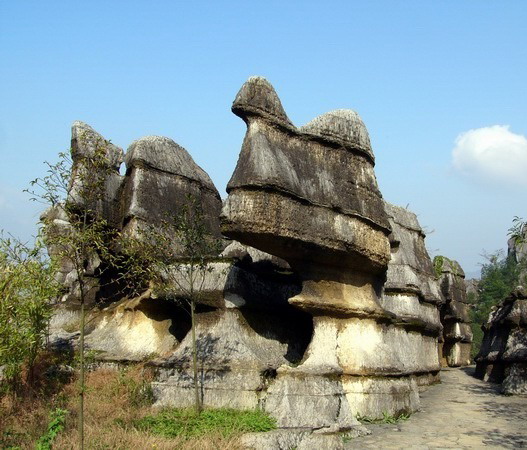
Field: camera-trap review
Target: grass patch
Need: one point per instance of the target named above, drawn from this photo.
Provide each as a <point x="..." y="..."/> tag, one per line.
<point x="185" y="423"/>
<point x="386" y="418"/>
<point x="115" y="401"/>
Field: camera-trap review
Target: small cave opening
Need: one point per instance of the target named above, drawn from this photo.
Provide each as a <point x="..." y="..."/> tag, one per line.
<point x="266" y="288"/>
<point x="286" y="325"/>
<point x="160" y="309"/>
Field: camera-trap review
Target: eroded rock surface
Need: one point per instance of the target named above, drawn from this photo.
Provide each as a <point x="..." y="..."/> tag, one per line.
<point x="324" y="304"/>
<point x="503" y="354"/>
<point x="309" y="196"/>
<point x="456" y="342"/>
<point x="412" y="294"/>
<point x="160" y="178"/>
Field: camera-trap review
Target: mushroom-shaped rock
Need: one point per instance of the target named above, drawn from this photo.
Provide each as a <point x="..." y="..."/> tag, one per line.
<point x="258" y="97"/>
<point x="309" y="196"/>
<point x="305" y="196"/>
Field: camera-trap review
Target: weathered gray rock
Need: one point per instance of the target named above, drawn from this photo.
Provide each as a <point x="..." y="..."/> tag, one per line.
<point x="238" y="354"/>
<point x="300" y="439"/>
<point x="95" y="185"/>
<point x="472" y="288"/>
<point x="411" y="292"/>
<point x="410" y="270"/>
<point x="455" y="349"/>
<point x="161" y="176"/>
<point x="279" y="204"/>
<point x="250" y="332"/>
<point x="236" y="250"/>
<point x="503" y="354"/>
<point x="309" y="196"/>
<point x="515" y="381"/>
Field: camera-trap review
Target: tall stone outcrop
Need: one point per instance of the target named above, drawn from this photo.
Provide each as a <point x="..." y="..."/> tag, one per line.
<point x="456" y="342"/>
<point x="245" y="331"/>
<point x="323" y="306"/>
<point x="159" y="179"/>
<point x="411" y="291"/>
<point x="309" y="196"/>
<point x="96" y="184"/>
<point x="503" y="354"/>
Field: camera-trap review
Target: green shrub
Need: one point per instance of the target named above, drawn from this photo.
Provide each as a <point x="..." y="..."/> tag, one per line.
<point x="499" y="276"/>
<point x="186" y="423"/>
<point x="27" y="288"/>
<point x="57" y="417"/>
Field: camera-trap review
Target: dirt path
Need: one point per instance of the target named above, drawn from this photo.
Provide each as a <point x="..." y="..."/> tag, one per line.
<point x="461" y="412"/>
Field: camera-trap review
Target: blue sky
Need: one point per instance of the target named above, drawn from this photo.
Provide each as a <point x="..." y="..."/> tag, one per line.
<point x="441" y="87"/>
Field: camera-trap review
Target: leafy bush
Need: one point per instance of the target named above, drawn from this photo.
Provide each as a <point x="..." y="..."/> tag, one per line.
<point x="57" y="418"/>
<point x="27" y="288"/>
<point x="187" y="424"/>
<point x="499" y="276"/>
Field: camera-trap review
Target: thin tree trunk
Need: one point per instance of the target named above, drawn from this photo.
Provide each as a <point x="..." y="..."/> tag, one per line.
<point x="81" y="377"/>
<point x="195" y="357"/>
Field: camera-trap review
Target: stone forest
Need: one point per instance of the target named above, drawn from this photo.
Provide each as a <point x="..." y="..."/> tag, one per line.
<point x="320" y="305"/>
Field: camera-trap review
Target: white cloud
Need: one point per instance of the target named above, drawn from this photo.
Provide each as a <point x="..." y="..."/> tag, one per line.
<point x="493" y="154"/>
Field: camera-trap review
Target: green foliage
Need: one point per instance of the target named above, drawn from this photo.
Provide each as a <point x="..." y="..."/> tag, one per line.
<point x="186" y="423"/>
<point x="518" y="231"/>
<point x="27" y="289"/>
<point x="9" y="438"/>
<point x="386" y="418"/>
<point x="438" y="265"/>
<point x="57" y="417"/>
<point x="499" y="276"/>
<point x="140" y="392"/>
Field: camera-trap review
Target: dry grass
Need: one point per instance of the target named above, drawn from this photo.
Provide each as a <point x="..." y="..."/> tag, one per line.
<point x="113" y="400"/>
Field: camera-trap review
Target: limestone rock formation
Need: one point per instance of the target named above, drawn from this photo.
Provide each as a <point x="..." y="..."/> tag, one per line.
<point x="106" y="159"/>
<point x="323" y="306"/>
<point x="160" y="175"/>
<point x="245" y="331"/>
<point x="411" y="291"/>
<point x="159" y="179"/>
<point x="503" y="354"/>
<point x="455" y="314"/>
<point x="309" y="196"/>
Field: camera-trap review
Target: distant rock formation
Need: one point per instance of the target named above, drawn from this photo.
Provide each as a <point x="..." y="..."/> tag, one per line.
<point x="456" y="342"/>
<point x="411" y="292"/>
<point x="503" y="355"/>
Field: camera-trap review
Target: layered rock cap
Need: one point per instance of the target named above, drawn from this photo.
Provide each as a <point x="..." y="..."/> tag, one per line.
<point x="306" y="193"/>
<point x="309" y="196"/>
<point x="160" y="177"/>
